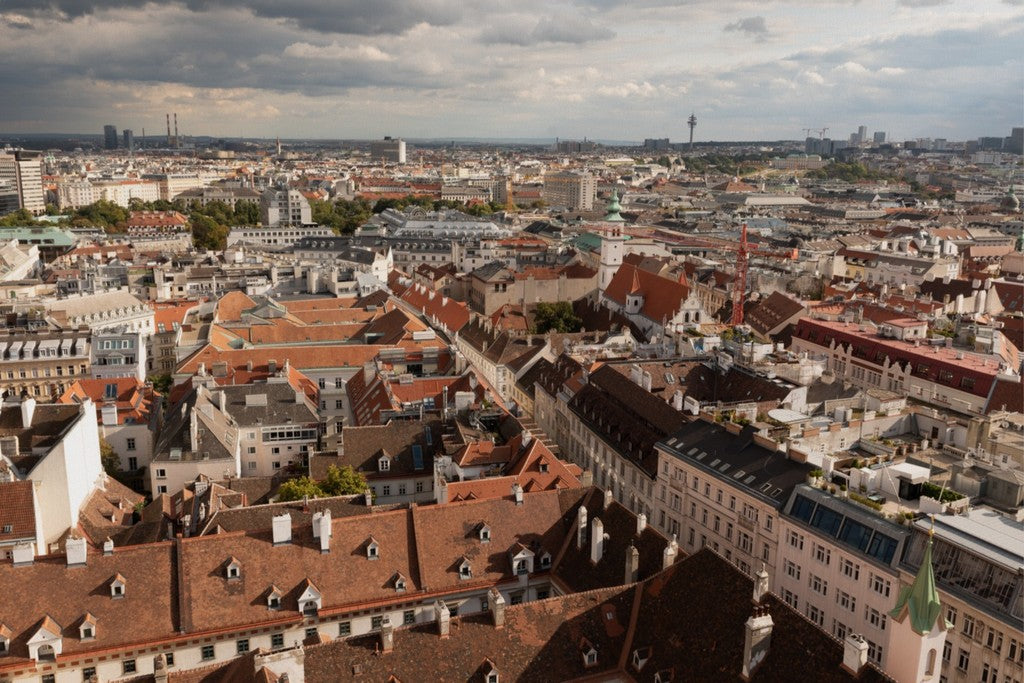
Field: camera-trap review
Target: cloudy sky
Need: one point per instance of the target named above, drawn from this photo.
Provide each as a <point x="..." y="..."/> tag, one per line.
<point x="611" y="69"/>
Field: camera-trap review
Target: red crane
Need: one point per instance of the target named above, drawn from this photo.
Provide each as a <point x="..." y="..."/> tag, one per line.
<point x="739" y="286"/>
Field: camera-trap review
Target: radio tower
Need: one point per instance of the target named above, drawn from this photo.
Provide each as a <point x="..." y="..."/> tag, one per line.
<point x="692" y="123"/>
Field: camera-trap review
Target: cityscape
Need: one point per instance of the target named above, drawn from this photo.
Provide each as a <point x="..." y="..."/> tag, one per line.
<point x="421" y="341"/>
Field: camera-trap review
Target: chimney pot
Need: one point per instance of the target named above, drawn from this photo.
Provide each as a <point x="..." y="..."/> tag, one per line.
<point x="641" y="523"/>
<point x="757" y="640"/>
<point x="282" y="529"/>
<point x="387" y="635"/>
<point x="608" y="498"/>
<point x="108" y="546"/>
<point x="632" y="564"/>
<point x="855" y="653"/>
<point x="581" y="527"/>
<point x="668" y="556"/>
<point x="444" y="619"/>
<point x="596" y="540"/>
<point x="76" y="551"/>
<point x="497" y="606"/>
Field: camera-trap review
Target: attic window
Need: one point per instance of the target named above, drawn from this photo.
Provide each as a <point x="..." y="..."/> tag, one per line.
<point x="373" y="550"/>
<point x="233" y="569"/>
<point x="384" y="464"/>
<point x="664" y="676"/>
<point x="274" y="602"/>
<point x="465" y="570"/>
<point x="485" y="534"/>
<point x="117" y="587"/>
<point x="640" y="657"/>
<point x="545" y="561"/>
<point x="543" y="467"/>
<point x="399" y="584"/>
<point x="87" y="631"/>
<point x="590" y="657"/>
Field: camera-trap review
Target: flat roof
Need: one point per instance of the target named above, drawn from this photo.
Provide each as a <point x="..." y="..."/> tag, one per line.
<point x="983" y="532"/>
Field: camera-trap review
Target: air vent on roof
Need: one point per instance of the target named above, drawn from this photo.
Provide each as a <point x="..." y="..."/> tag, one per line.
<point x="749" y="480"/>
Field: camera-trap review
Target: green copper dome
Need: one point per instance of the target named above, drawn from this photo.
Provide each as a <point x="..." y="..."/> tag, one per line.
<point x="614" y="209"/>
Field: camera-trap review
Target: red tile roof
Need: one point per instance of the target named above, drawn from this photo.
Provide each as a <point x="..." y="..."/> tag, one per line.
<point x="17" y="511"/>
<point x="662" y="296"/>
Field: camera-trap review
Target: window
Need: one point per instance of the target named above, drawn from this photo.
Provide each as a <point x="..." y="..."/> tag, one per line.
<point x="846" y="601"/>
<point x="419" y="487"/>
<point x="951" y="615"/>
<point x="792" y="569"/>
<point x="947" y="651"/>
<point x="994" y="640"/>
<point x="161" y="473"/>
<point x="839" y="629"/>
<point x="796" y="540"/>
<point x="130" y="444"/>
<point x="409" y="616"/>
<point x="311" y="632"/>
<point x="964" y="660"/>
<point x="880" y="585"/>
<point x="49" y="678"/>
<point x="819" y="585"/>
<point x="128" y="666"/>
<point x="277" y="640"/>
<point x="746" y="542"/>
<point x="874" y="652"/>
<point x="790" y="599"/>
<point x="88" y="672"/>
<point x="242" y="646"/>
<point x="344" y="628"/>
<point x="968" y="627"/>
<point x="822" y="554"/>
<point x="375" y="622"/>
<point x="816" y="615"/>
<point x="516" y="599"/>
<point x="207" y="652"/>
<point x="876" y="618"/>
<point x="849" y="568"/>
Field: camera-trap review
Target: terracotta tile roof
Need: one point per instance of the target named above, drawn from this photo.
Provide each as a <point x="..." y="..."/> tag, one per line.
<point x="17" y="510"/>
<point x="109" y="511"/>
<point x="445" y="311"/>
<point x="133" y="399"/>
<point x="772" y="312"/>
<point x="662" y="297"/>
<point x="232" y="305"/>
<point x="362" y="447"/>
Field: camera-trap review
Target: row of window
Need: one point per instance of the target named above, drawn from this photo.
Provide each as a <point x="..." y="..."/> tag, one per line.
<point x="23" y="374"/>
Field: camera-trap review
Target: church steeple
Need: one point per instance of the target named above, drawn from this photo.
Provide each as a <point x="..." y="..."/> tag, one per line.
<point x="920" y="600"/>
<point x="613" y="209"/>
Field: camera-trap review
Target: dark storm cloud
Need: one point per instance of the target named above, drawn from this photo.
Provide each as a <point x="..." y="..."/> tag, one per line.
<point x="358" y="17"/>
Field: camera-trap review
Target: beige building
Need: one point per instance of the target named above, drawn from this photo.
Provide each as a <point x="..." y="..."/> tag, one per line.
<point x="571" y="190"/>
<point x="45" y="363"/>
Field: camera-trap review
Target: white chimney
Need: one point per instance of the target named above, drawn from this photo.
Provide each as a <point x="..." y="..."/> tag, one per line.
<point x="368" y="497"/>
<point x="517" y="493"/>
<point x="527" y="438"/>
<point x="632" y="564"/>
<point x="760" y="584"/>
<point x="28" y="409"/>
<point x="581" y="527"/>
<point x="668" y="556"/>
<point x="608" y="498"/>
<point x="444" y="619"/>
<point x="322" y="530"/>
<point x="222" y="401"/>
<point x="496" y="603"/>
<point x="282" y="529"/>
<point x="108" y="546"/>
<point x="677" y="400"/>
<point x="387" y="634"/>
<point x="647" y="381"/>
<point x="855" y="653"/>
<point x="596" y="540"/>
<point x="22" y="554"/>
<point x="757" y="640"/>
<point x="641" y="523"/>
<point x="76" y="551"/>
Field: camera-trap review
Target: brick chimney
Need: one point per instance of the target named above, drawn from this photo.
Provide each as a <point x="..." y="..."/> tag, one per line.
<point x="855" y="653"/>
<point x="757" y="640"/>
<point x="632" y="564"/>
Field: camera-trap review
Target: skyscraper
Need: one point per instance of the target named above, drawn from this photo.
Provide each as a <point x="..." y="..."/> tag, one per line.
<point x="109" y="136"/>
<point x="390" y="149"/>
<point x="862" y="133"/>
<point x="879" y="137"/>
<point x="24" y="171"/>
<point x="129" y="139"/>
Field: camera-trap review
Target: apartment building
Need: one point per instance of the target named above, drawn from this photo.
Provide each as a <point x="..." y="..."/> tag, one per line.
<point x="281" y="206"/>
<point x="118" y="353"/>
<point x="24" y="169"/>
<point x="570" y="190"/>
<point x="43" y="363"/>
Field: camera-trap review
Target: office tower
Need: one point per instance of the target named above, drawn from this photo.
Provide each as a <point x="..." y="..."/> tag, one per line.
<point x="24" y="171"/>
<point x="129" y="139"/>
<point x="657" y="144"/>
<point x="1016" y="141"/>
<point x="879" y="137"/>
<point x="109" y="136"/>
<point x="390" y="149"/>
<point x="862" y="134"/>
<point x="570" y="190"/>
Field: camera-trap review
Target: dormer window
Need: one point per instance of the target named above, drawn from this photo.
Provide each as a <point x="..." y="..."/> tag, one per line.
<point x="465" y="569"/>
<point x="373" y="550"/>
<point x="521" y="567"/>
<point x="400" y="584"/>
<point x="589" y="652"/>
<point x="233" y="569"/>
<point x="545" y="561"/>
<point x="87" y="630"/>
<point x="310" y="600"/>
<point x="274" y="598"/>
<point x="484" y="533"/>
<point x="492" y="672"/>
<point x="117" y="587"/>
<point x="640" y="657"/>
<point x="665" y="676"/>
<point x="384" y="464"/>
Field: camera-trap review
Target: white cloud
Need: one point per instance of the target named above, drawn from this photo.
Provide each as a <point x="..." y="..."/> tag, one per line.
<point x="358" y="53"/>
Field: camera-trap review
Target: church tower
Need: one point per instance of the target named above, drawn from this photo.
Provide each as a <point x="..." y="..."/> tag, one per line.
<point x="611" y="244"/>
<point x="917" y="632"/>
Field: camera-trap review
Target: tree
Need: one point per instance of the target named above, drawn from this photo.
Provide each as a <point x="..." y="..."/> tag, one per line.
<point x="297" y="489"/>
<point x="161" y="383"/>
<point x="556" y="317"/>
<point x="247" y="213"/>
<point x="19" y="218"/>
<point x="343" y="481"/>
<point x="208" y="233"/>
<point x="110" y="459"/>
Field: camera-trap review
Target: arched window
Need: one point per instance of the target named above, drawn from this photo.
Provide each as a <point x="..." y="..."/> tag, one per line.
<point x="930" y="668"/>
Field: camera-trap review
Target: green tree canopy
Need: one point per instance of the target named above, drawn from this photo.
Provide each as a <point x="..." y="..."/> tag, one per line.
<point x="556" y="317"/>
<point x="343" y="481"/>
<point x="297" y="489"/>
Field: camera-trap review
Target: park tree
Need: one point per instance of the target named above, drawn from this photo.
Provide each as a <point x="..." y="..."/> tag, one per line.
<point x="343" y="481"/>
<point x="297" y="489"/>
<point x="556" y="317"/>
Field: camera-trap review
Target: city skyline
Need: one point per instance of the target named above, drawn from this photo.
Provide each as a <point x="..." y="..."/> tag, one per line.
<point x="599" y="68"/>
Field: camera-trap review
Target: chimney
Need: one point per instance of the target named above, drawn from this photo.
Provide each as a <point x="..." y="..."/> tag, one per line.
<point x="23" y="554"/>
<point x="76" y="551"/>
<point x="108" y="546"/>
<point x="677" y="400"/>
<point x="444" y="619"/>
<point x="641" y="523"/>
<point x="608" y="498"/>
<point x="517" y="493"/>
<point x="855" y="653"/>
<point x="581" y="527"/>
<point x="757" y="640"/>
<point x="322" y="530"/>
<point x="632" y="564"/>
<point x="668" y="556"/>
<point x="497" y="605"/>
<point x="160" y="669"/>
<point x="596" y="540"/>
<point x="222" y="401"/>
<point x="28" y="409"/>
<point x="368" y="497"/>
<point x="387" y="635"/>
<point x="282" y="529"/>
<point x="760" y="585"/>
<point x="300" y="397"/>
<point x="647" y="381"/>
